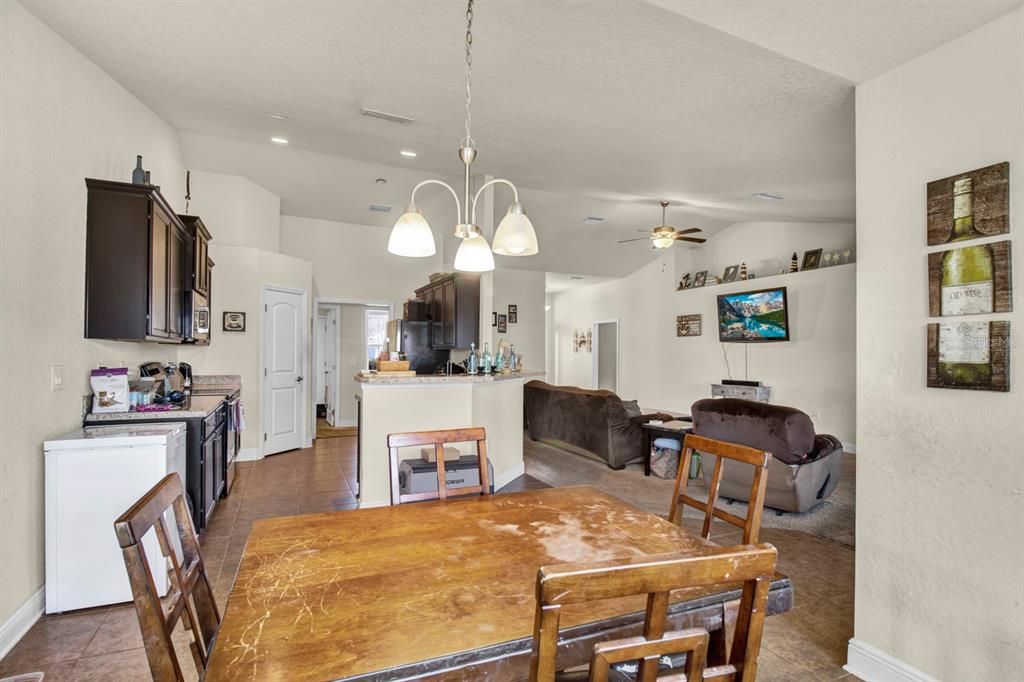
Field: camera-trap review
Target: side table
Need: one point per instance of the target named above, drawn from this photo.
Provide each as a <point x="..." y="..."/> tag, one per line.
<point x="668" y="430"/>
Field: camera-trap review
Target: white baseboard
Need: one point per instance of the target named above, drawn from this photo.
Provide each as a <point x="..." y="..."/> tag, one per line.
<point x="849" y="447"/>
<point x="505" y="477"/>
<point x="249" y="454"/>
<point x="26" y="615"/>
<point x="874" y="665"/>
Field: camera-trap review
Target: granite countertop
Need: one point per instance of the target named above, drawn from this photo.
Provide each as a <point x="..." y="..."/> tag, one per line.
<point x="196" y="406"/>
<point x="216" y="383"/>
<point x="378" y="380"/>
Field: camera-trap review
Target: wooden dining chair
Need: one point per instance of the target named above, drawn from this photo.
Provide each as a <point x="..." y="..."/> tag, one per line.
<point x="656" y="576"/>
<point x="189" y="592"/>
<point x="751" y="524"/>
<point x="438" y="439"/>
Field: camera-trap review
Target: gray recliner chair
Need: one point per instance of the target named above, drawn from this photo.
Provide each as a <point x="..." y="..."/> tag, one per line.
<point x="805" y="467"/>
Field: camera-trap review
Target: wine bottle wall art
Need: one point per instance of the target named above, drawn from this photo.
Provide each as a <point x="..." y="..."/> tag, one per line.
<point x="971" y="277"/>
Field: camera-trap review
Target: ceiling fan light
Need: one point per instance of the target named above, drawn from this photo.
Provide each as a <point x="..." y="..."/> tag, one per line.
<point x="474" y="255"/>
<point x="411" y="236"/>
<point x="662" y="242"/>
<point x="515" y="235"/>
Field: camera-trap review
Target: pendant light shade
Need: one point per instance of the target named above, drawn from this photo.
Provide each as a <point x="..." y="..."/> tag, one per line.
<point x="474" y="255"/>
<point x="411" y="236"/>
<point x="515" y="235"/>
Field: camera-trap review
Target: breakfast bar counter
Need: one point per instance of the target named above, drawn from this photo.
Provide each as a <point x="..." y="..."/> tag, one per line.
<point x="431" y="402"/>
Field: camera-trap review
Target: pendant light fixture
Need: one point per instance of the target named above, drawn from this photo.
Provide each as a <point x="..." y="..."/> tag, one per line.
<point x="411" y="236"/>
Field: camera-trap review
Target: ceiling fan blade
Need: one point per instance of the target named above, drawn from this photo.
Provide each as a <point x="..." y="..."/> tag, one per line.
<point x="638" y="239"/>
<point x="695" y="240"/>
<point x="689" y="230"/>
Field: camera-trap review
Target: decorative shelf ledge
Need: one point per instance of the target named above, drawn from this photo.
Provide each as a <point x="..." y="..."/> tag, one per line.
<point x="772" y="280"/>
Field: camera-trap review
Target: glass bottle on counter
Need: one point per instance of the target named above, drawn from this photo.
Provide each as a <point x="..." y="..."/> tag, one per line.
<point x="513" y="359"/>
<point x="486" y="361"/>
<point x="471" y="365"/>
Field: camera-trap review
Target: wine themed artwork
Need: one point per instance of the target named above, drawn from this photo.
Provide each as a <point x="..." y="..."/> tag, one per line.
<point x="502" y="324"/>
<point x="688" y="325"/>
<point x="513" y="313"/>
<point x="969" y="205"/>
<point x="969" y="279"/>
<point x="969" y="355"/>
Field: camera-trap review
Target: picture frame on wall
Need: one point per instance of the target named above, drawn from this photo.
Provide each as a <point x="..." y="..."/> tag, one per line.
<point x="812" y="259"/>
<point x="502" y="324"/>
<point x="730" y="273"/>
<point x="970" y="205"/>
<point x="513" y="313"/>
<point x="233" y="321"/>
<point x="970" y="280"/>
<point x="494" y="319"/>
<point x="700" y="278"/>
<point x="969" y="354"/>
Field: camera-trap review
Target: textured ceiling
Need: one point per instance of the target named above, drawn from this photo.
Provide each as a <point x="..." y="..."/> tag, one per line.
<point x="855" y="39"/>
<point x="591" y="107"/>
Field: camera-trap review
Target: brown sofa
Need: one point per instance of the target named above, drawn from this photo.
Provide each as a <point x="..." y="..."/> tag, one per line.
<point x="593" y="423"/>
<point x="805" y="466"/>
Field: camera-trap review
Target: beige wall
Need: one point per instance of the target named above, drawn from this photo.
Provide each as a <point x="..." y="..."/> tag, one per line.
<point x="352" y="358"/>
<point x="62" y="119"/>
<point x="524" y="288"/>
<point x="237" y="211"/>
<point x="352" y="261"/>
<point x="815" y="371"/>
<point x="940" y="540"/>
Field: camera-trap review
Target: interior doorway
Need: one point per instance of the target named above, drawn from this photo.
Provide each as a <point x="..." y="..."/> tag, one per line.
<point x="284" y="357"/>
<point x="605" y="343"/>
<point x="325" y="349"/>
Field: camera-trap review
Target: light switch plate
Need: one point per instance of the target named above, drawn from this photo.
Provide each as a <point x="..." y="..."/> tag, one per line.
<point x="57" y="377"/>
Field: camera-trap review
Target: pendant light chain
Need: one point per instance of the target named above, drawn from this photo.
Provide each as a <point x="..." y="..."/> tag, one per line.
<point x="468" y="141"/>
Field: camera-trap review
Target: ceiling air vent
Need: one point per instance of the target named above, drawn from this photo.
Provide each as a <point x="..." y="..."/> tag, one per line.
<point x="575" y="276"/>
<point x="593" y="220"/>
<point x="384" y="116"/>
<point x="380" y="208"/>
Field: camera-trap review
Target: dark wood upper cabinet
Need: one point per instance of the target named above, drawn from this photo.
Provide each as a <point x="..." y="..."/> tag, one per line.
<point x="199" y="264"/>
<point x="453" y="307"/>
<point x="135" y="265"/>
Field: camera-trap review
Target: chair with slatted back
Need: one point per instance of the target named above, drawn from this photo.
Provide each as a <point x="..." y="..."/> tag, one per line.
<point x="189" y="592"/>
<point x="438" y="439"/>
<point x="656" y="576"/>
<point x="722" y="451"/>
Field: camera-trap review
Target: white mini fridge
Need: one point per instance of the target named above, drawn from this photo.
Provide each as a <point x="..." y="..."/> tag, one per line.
<point x="93" y="475"/>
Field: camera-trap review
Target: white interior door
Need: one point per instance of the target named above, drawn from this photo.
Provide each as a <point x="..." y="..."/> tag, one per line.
<point x="330" y="368"/>
<point x="319" y="359"/>
<point x="284" y="394"/>
<point x="605" y="345"/>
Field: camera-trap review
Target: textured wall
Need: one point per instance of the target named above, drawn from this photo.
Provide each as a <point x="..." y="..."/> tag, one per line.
<point x="62" y="119"/>
<point x="940" y="536"/>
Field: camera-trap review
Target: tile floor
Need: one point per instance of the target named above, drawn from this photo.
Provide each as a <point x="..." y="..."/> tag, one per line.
<point x="807" y="643"/>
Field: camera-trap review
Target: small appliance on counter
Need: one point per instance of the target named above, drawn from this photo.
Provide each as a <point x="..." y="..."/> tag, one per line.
<point x="167" y="382"/>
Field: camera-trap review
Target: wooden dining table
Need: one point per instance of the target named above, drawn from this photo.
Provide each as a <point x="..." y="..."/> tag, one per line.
<point x="441" y="590"/>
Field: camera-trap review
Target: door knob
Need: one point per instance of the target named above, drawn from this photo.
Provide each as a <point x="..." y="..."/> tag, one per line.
<point x="298" y="380"/>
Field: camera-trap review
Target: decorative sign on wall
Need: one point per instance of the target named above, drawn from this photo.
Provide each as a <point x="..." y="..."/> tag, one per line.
<point x="970" y="280"/>
<point x="969" y="354"/>
<point x="234" y="322"/>
<point x="969" y="205"/>
<point x="513" y="313"/>
<point x="502" y="324"/>
<point x="688" y="325"/>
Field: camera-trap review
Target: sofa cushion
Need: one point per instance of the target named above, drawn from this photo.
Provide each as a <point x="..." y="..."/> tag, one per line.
<point x="824" y="445"/>
<point x="786" y="432"/>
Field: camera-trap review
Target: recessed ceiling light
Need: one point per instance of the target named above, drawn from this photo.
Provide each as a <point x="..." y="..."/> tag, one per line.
<point x="769" y="195"/>
<point x="279" y="140"/>
<point x="547" y="307"/>
<point x="408" y="153"/>
<point x="381" y="181"/>
<point x="593" y="220"/>
<point x="279" y="117"/>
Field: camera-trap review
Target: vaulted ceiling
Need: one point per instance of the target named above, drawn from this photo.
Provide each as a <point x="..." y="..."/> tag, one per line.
<point x="596" y="107"/>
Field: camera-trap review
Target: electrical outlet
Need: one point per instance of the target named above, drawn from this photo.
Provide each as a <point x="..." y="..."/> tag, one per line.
<point x="57" y="377"/>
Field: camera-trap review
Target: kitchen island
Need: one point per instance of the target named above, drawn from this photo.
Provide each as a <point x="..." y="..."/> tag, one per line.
<point x="432" y="402"/>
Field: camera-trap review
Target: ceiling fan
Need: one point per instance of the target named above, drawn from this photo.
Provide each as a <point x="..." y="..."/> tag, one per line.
<point x="663" y="236"/>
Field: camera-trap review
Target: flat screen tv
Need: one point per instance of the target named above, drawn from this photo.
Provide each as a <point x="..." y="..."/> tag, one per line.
<point x="753" y="316"/>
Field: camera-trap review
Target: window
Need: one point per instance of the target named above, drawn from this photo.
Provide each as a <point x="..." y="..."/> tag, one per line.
<point x="376" y="326"/>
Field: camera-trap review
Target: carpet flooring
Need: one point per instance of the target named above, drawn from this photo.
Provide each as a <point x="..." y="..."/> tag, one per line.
<point x="832" y="519"/>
